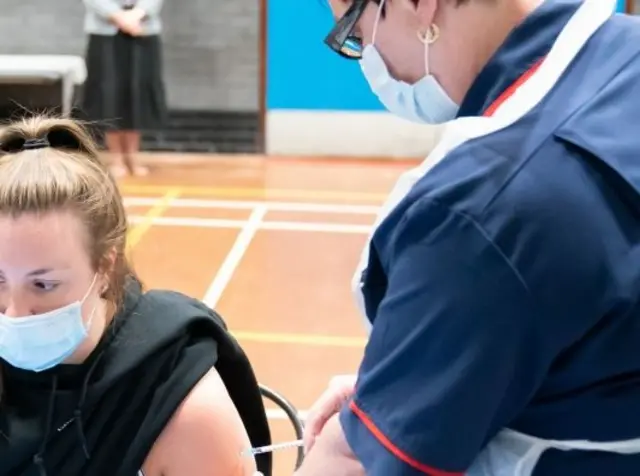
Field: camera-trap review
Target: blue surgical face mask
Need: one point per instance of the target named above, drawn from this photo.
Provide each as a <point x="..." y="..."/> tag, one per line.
<point x="425" y="101"/>
<point x="40" y="342"/>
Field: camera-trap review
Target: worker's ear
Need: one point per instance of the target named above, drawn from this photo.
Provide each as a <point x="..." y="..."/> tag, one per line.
<point x="422" y="11"/>
<point x="426" y="12"/>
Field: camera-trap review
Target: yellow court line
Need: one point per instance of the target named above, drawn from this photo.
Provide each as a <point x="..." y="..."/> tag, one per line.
<point x="156" y="211"/>
<point x="255" y="193"/>
<point x="301" y="339"/>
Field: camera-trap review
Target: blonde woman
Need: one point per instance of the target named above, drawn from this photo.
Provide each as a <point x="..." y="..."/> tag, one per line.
<point x="99" y="377"/>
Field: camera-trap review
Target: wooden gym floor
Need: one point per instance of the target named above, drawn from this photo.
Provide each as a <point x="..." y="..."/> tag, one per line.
<point x="271" y="244"/>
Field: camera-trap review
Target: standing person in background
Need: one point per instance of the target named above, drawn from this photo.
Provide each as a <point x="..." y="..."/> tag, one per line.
<point x="124" y="84"/>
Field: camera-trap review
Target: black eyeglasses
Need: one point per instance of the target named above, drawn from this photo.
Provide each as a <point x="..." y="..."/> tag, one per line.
<point x="341" y="38"/>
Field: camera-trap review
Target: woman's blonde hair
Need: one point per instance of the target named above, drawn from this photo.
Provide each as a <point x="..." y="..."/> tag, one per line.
<point x="65" y="173"/>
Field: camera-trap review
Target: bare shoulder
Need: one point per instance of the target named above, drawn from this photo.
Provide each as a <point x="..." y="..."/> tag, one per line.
<point x="204" y="437"/>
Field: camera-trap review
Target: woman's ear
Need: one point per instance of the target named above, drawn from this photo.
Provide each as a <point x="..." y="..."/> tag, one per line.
<point x="107" y="267"/>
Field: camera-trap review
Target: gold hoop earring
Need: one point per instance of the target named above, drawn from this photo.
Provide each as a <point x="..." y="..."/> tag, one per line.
<point x="430" y="36"/>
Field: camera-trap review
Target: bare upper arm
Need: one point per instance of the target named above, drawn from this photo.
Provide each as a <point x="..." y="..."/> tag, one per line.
<point x="204" y="437"/>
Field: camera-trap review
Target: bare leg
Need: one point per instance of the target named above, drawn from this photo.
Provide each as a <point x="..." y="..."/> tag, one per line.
<point x="132" y="147"/>
<point x="116" y="146"/>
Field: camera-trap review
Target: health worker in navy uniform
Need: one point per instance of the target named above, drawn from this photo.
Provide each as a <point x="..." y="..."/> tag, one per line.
<point x="501" y="285"/>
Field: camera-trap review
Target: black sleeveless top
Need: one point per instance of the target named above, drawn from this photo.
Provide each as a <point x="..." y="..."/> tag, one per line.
<point x="102" y="417"/>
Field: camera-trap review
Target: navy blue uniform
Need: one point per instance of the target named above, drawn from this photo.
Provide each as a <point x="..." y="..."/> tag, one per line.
<point x="503" y="289"/>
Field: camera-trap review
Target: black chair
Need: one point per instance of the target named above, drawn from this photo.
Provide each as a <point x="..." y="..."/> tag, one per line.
<point x="292" y="414"/>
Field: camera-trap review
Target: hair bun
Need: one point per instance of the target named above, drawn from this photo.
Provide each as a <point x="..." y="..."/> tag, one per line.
<point x="13" y="145"/>
<point x="63" y="138"/>
<point x="43" y="132"/>
<point x="56" y="138"/>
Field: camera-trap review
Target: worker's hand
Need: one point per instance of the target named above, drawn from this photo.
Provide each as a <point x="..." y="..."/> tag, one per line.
<point x="339" y="391"/>
<point x="331" y="454"/>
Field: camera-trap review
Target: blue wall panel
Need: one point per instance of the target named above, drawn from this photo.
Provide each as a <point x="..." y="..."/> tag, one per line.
<point x="302" y="73"/>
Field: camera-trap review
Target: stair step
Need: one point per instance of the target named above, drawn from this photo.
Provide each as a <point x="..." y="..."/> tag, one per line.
<point x="205" y="132"/>
<point x="185" y="130"/>
<point x="211" y="134"/>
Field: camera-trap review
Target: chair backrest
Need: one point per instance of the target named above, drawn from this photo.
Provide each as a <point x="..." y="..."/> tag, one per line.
<point x="238" y="376"/>
<point x="291" y="412"/>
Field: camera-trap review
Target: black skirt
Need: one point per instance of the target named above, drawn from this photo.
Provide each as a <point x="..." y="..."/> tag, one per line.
<point x="124" y="89"/>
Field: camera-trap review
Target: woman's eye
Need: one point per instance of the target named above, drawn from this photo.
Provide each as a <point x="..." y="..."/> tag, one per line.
<point x="45" y="285"/>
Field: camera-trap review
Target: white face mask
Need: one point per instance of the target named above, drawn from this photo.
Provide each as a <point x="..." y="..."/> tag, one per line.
<point x="42" y="341"/>
<point x="424" y="101"/>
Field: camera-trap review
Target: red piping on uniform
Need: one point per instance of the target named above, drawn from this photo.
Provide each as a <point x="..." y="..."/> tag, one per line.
<point x="397" y="452"/>
<point x="507" y="93"/>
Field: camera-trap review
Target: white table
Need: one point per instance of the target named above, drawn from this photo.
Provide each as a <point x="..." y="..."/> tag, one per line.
<point x="69" y="70"/>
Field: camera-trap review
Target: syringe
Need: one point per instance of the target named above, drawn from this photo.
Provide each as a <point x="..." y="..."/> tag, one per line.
<point x="269" y="448"/>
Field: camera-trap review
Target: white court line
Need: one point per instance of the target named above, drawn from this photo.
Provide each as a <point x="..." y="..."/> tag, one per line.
<point x="263" y="225"/>
<point x="231" y="262"/>
<point x="247" y="205"/>
<point x="277" y="414"/>
<point x="249" y="229"/>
